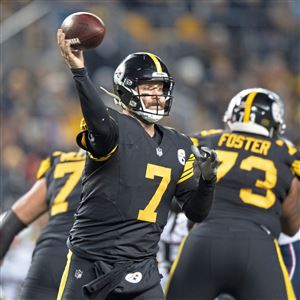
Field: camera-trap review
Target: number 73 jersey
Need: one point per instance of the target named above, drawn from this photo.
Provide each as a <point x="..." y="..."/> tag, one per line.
<point x="254" y="176"/>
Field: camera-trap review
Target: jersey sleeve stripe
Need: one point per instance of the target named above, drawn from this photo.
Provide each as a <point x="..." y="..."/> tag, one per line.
<point x="188" y="170"/>
<point x="103" y="158"/>
<point x="195" y="141"/>
<point x="296" y="168"/>
<point x="44" y="167"/>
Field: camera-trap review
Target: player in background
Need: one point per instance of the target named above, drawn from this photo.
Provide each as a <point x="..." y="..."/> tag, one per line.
<point x="174" y="232"/>
<point x="235" y="250"/>
<point x="56" y="191"/>
<point x="134" y="167"/>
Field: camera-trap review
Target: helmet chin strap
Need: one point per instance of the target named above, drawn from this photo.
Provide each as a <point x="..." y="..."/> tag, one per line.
<point x="147" y="118"/>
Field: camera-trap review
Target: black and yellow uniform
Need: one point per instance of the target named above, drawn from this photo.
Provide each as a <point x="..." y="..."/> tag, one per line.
<point x="128" y="183"/>
<point x="62" y="171"/>
<point x="235" y="250"/>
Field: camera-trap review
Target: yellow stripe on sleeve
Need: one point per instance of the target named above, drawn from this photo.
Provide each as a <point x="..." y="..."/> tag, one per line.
<point x="44" y="167"/>
<point x="64" y="276"/>
<point x="248" y="106"/>
<point x="103" y="158"/>
<point x="195" y="141"/>
<point x="188" y="170"/>
<point x="289" y="289"/>
<point x="156" y="61"/>
<point x="296" y="167"/>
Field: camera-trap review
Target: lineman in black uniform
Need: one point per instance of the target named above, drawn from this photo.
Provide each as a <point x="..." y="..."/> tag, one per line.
<point x="235" y="250"/>
<point x="133" y="170"/>
<point x="57" y="190"/>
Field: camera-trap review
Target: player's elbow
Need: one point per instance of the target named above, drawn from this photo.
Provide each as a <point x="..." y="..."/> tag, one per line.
<point x="290" y="227"/>
<point x="194" y="215"/>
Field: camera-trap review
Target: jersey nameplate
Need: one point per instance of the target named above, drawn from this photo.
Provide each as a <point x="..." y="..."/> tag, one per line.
<point x="231" y="140"/>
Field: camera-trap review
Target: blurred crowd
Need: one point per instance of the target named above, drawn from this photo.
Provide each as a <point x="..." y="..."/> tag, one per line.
<point x="213" y="49"/>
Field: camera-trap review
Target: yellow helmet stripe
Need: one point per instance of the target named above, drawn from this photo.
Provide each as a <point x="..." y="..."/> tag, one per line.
<point x="156" y="61"/>
<point x="248" y="106"/>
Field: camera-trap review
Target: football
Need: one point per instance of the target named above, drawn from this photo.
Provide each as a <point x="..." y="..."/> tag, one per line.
<point x="84" y="29"/>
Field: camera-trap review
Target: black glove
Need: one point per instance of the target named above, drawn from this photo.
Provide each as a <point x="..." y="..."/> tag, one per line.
<point x="207" y="160"/>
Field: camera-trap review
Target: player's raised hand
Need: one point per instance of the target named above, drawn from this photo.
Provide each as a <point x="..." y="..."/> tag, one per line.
<point x="207" y="160"/>
<point x="73" y="58"/>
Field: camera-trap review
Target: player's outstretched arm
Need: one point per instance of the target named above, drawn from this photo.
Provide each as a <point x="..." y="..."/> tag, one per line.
<point x="290" y="217"/>
<point x="24" y="211"/>
<point x="103" y="130"/>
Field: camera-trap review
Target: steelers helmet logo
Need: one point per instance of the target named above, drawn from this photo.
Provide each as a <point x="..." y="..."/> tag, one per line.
<point x="119" y="73"/>
<point x="276" y="112"/>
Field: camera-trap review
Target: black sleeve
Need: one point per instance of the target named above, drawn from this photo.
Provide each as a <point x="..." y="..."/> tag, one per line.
<point x="198" y="206"/>
<point x="102" y="128"/>
<point x="10" y="226"/>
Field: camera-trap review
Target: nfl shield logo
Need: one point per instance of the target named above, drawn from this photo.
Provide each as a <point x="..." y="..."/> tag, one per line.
<point x="159" y="151"/>
<point x="78" y="274"/>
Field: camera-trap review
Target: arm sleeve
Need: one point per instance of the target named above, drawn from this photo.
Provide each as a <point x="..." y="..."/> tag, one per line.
<point x="102" y="128"/>
<point x="198" y="206"/>
<point x="10" y="226"/>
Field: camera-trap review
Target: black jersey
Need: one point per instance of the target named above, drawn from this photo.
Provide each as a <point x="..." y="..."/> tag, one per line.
<point x="126" y="194"/>
<point x="62" y="171"/>
<point x="254" y="176"/>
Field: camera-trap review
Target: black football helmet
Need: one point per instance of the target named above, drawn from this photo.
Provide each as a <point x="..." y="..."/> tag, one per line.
<point x="256" y="110"/>
<point x="137" y="68"/>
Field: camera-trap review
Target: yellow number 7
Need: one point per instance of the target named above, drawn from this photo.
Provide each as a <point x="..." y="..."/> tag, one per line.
<point x="75" y="168"/>
<point x="148" y="214"/>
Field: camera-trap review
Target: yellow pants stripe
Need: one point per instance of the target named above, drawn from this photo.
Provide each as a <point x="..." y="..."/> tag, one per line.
<point x="64" y="276"/>
<point x="288" y="285"/>
<point x="174" y="266"/>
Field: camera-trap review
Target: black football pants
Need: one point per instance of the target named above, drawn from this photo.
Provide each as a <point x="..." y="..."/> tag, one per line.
<point x="243" y="261"/>
<point x="43" y="278"/>
<point x="140" y="281"/>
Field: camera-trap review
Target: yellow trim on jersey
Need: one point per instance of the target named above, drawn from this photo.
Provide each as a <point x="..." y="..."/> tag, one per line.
<point x="210" y="132"/>
<point x="83" y="125"/>
<point x="103" y="158"/>
<point x="44" y="167"/>
<point x="64" y="276"/>
<point x="296" y="167"/>
<point x="156" y="61"/>
<point x="248" y="106"/>
<point x="291" y="149"/>
<point x="188" y="170"/>
<point x="195" y="141"/>
<point x="289" y="289"/>
<point x="83" y="140"/>
<point x="280" y="142"/>
<point x="174" y="266"/>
